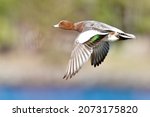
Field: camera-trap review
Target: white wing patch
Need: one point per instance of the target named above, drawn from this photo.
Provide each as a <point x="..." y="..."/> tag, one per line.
<point x="85" y="36"/>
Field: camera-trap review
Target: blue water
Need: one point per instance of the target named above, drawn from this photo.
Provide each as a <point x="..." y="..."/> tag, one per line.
<point x="72" y="93"/>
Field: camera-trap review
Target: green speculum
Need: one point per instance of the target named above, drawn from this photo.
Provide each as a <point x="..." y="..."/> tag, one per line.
<point x="96" y="38"/>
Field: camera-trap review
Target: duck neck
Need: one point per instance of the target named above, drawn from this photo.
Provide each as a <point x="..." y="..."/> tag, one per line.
<point x="78" y="26"/>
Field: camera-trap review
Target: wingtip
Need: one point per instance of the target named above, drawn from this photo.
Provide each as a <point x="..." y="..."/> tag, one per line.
<point x="132" y="36"/>
<point x="66" y="77"/>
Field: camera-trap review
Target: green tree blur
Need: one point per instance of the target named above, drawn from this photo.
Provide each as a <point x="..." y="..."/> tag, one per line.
<point x="129" y="15"/>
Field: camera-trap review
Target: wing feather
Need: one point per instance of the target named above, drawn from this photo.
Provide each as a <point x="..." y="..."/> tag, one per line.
<point x="99" y="53"/>
<point x="80" y="54"/>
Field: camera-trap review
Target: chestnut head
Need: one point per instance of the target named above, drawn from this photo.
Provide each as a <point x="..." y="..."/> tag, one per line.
<point x="65" y="24"/>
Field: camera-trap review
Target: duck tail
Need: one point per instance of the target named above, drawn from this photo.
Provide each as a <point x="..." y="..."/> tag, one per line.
<point x="125" y="36"/>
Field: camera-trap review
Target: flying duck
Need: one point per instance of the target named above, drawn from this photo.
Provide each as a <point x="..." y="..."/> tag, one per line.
<point x="92" y="42"/>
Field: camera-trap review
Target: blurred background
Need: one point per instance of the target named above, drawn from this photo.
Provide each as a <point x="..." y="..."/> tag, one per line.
<point x="34" y="55"/>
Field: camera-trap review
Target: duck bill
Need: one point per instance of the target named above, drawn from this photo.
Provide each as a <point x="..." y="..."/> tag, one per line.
<point x="56" y="26"/>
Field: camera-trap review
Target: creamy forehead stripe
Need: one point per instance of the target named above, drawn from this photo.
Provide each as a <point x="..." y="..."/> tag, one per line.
<point x="85" y="36"/>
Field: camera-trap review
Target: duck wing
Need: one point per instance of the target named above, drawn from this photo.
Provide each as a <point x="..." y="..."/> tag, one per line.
<point x="82" y="51"/>
<point x="80" y="54"/>
<point x="102" y="27"/>
<point x="99" y="53"/>
<point x="105" y="28"/>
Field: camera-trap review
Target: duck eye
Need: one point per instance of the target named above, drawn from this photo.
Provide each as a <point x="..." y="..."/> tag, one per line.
<point x="61" y="23"/>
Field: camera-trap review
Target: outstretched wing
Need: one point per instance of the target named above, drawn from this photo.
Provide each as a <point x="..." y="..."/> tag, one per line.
<point x="84" y="45"/>
<point x="80" y="54"/>
<point x="99" y="53"/>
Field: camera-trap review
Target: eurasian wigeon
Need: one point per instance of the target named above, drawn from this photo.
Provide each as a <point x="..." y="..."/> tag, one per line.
<point x="93" y="41"/>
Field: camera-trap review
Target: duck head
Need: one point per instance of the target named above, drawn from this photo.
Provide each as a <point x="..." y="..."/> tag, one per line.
<point x="65" y="24"/>
<point x="68" y="25"/>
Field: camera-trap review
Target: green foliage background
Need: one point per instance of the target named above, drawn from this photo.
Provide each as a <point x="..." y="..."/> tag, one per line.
<point x="129" y="15"/>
